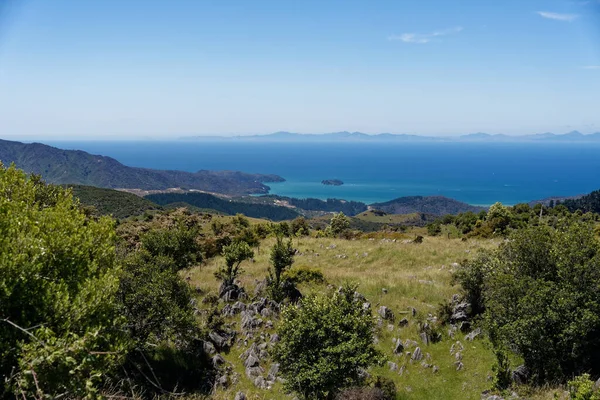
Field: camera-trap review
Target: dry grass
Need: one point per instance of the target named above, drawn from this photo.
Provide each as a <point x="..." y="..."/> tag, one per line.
<point x="415" y="275"/>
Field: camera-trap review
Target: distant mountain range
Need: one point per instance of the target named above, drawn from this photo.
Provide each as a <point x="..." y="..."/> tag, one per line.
<point x="78" y="167"/>
<point x="573" y="136"/>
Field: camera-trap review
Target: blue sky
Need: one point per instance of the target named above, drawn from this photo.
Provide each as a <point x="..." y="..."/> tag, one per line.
<point x="164" y="69"/>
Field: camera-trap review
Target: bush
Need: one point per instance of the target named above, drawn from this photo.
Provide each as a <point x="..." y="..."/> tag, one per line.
<point x="324" y="343"/>
<point x="582" y="388"/>
<point x="304" y="274"/>
<point x="58" y="278"/>
<point x="540" y="291"/>
<point x="178" y="243"/>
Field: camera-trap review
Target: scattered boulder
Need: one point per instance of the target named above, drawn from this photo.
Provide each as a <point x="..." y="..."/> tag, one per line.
<point x="520" y="375"/>
<point x="403" y="322"/>
<point x="424" y="338"/>
<point x="417" y="355"/>
<point x="218" y="340"/>
<point x="218" y="360"/>
<point x="261" y="383"/>
<point x="251" y="361"/>
<point x="393" y="366"/>
<point x="459" y="365"/>
<point x="435" y="369"/>
<point x="253" y="372"/>
<point x="399" y="348"/>
<point x="240" y="396"/>
<point x="208" y="347"/>
<point x="459" y="312"/>
<point x="471" y="336"/>
<point x="386" y="313"/>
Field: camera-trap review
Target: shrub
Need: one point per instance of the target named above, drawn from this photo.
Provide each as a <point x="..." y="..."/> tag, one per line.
<point x="325" y="342"/>
<point x="234" y="255"/>
<point x="178" y="243"/>
<point x="540" y="291"/>
<point x="582" y="388"/>
<point x="282" y="258"/>
<point x="304" y="274"/>
<point x="338" y="225"/>
<point x="58" y="278"/>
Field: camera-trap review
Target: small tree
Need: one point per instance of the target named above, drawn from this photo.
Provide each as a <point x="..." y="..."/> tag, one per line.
<point x="325" y="342"/>
<point x="178" y="243"/>
<point x="338" y="225"/>
<point x="234" y="255"/>
<point x="282" y="258"/>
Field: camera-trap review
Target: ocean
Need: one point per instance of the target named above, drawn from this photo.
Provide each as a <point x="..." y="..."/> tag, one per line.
<point x="476" y="173"/>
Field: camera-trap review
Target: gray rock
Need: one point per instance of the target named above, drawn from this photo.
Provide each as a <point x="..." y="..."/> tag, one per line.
<point x="253" y="372"/>
<point x="393" y="366"/>
<point x="390" y="327"/>
<point x="399" y="348"/>
<point x="386" y="313"/>
<point x="403" y="322"/>
<point x="417" y="355"/>
<point x="218" y="360"/>
<point x="260" y="382"/>
<point x="274" y="370"/>
<point x="240" y="396"/>
<point x="459" y="365"/>
<point x="209" y="348"/>
<point x="251" y="361"/>
<point x="384" y="290"/>
<point x="520" y="375"/>
<point x="222" y="381"/>
<point x="494" y="397"/>
<point x="471" y="336"/>
<point x="274" y="338"/>
<point x="436" y="369"/>
<point x="424" y="338"/>
<point x="597" y="385"/>
<point x="459" y="312"/>
<point x="413" y="311"/>
<point x="410" y="343"/>
<point x="218" y="340"/>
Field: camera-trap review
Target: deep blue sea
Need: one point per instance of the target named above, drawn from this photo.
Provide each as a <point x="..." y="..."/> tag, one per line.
<point x="476" y="173"/>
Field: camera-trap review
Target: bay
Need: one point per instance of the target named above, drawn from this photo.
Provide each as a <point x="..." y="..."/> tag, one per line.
<point x="476" y="173"/>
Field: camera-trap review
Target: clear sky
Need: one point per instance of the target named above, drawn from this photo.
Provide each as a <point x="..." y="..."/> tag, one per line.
<point x="149" y="68"/>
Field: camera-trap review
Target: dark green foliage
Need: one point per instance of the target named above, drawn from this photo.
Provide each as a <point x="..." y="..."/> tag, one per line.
<point x="501" y="370"/>
<point x="434" y="229"/>
<point x="587" y="203"/>
<point x="179" y="244"/>
<point x="78" y="167"/>
<point x="155" y="300"/>
<point x="282" y="258"/>
<point x="112" y="202"/>
<point x="540" y="291"/>
<point x="299" y="227"/>
<point x="234" y="255"/>
<point x="205" y="200"/>
<point x="338" y="225"/>
<point x="158" y="307"/>
<point x="436" y="205"/>
<point x="304" y="274"/>
<point x="331" y="205"/>
<point x="325" y="341"/>
<point x="58" y="277"/>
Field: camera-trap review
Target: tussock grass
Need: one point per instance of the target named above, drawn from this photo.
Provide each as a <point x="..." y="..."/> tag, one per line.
<point x="415" y="275"/>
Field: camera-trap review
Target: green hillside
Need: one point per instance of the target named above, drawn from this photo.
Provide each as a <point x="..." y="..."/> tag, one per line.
<point x="112" y="202"/>
<point x="78" y="167"/>
<point x="227" y="206"/>
<point x="436" y="205"/>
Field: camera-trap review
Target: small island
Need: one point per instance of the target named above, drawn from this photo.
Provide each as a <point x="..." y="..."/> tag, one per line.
<point x="332" y="182"/>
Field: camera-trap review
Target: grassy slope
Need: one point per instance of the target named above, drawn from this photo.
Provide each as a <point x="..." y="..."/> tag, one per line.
<point x="415" y="276"/>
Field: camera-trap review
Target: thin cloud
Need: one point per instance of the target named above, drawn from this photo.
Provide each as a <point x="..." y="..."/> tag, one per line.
<point x="558" y="16"/>
<point x="422" y="38"/>
<point x="591" y="67"/>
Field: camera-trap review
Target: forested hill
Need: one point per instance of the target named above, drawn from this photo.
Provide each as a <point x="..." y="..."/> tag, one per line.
<point x="208" y="201"/>
<point x="112" y="202"/>
<point x="436" y="205"/>
<point x="588" y="203"/>
<point x="78" y="167"/>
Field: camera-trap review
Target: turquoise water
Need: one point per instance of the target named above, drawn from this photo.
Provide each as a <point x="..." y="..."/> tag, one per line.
<point x="477" y="173"/>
